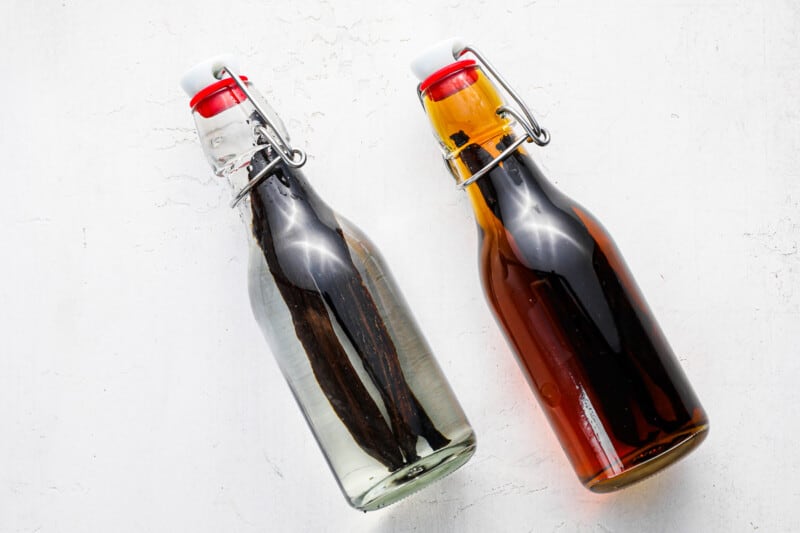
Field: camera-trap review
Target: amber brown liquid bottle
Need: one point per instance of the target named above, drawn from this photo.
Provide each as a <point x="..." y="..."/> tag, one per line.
<point x="595" y="357"/>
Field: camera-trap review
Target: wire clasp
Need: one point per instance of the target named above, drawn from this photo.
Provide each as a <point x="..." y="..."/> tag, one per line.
<point x="534" y="132"/>
<point x="293" y="157"/>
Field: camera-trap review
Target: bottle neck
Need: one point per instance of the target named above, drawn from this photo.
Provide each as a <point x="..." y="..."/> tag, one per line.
<point x="462" y="108"/>
<point x="227" y="124"/>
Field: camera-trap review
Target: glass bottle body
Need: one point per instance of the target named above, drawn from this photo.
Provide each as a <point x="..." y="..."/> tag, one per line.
<point x="595" y="357"/>
<point x="363" y="375"/>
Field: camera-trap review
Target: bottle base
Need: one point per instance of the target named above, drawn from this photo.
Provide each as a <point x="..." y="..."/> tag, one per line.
<point x="413" y="477"/>
<point x="648" y="461"/>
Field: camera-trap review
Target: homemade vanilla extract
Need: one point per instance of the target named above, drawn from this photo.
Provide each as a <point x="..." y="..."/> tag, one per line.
<point x="359" y="367"/>
<point x="597" y="353"/>
<point x="593" y="353"/>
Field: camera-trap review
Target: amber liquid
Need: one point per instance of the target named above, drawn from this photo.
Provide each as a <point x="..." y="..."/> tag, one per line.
<point x="594" y="355"/>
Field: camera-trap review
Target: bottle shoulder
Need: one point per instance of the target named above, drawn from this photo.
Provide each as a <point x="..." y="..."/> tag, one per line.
<point x="361" y="246"/>
<point x="530" y="221"/>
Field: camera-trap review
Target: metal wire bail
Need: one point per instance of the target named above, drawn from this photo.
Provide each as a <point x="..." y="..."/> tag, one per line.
<point x="534" y="132"/>
<point x="293" y="157"/>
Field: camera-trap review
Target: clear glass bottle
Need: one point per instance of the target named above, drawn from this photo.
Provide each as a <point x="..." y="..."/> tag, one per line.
<point x="378" y="404"/>
<point x="595" y="356"/>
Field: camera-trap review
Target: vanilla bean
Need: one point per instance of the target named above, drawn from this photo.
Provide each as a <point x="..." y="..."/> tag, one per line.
<point x="338" y="379"/>
<point x="321" y="280"/>
<point x="368" y="334"/>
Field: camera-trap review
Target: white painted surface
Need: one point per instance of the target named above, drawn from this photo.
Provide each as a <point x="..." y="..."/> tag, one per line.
<point x="136" y="393"/>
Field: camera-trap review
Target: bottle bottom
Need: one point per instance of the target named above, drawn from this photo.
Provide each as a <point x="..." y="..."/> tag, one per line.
<point x="415" y="476"/>
<point x="649" y="460"/>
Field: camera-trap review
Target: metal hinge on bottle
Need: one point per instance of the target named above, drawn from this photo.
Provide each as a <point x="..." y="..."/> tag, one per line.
<point x="293" y="157"/>
<point x="535" y="133"/>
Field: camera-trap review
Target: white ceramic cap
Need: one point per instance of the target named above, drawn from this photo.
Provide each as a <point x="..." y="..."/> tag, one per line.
<point x="436" y="57"/>
<point x="205" y="73"/>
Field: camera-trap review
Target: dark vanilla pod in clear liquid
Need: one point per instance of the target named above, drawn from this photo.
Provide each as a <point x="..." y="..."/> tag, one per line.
<point x="362" y="373"/>
<point x="594" y="355"/>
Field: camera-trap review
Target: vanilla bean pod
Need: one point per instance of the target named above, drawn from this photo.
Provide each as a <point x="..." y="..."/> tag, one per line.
<point x="333" y="286"/>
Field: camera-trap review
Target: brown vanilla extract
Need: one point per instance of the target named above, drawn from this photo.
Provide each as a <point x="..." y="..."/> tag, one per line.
<point x="591" y="349"/>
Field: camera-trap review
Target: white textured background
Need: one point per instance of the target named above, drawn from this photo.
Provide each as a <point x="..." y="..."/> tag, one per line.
<point x="136" y="392"/>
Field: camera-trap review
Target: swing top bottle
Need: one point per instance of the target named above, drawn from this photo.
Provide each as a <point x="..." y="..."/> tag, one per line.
<point x="360" y="369"/>
<point x="595" y="356"/>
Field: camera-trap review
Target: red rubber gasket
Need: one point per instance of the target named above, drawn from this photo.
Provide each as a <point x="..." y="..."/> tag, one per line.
<point x="450" y="79"/>
<point x="218" y="97"/>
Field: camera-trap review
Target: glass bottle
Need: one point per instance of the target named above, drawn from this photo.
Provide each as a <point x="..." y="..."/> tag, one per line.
<point x="377" y="403"/>
<point x="595" y="356"/>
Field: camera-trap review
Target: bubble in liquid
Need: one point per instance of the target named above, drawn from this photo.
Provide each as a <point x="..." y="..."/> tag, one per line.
<point x="550" y="394"/>
<point x="415" y="471"/>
